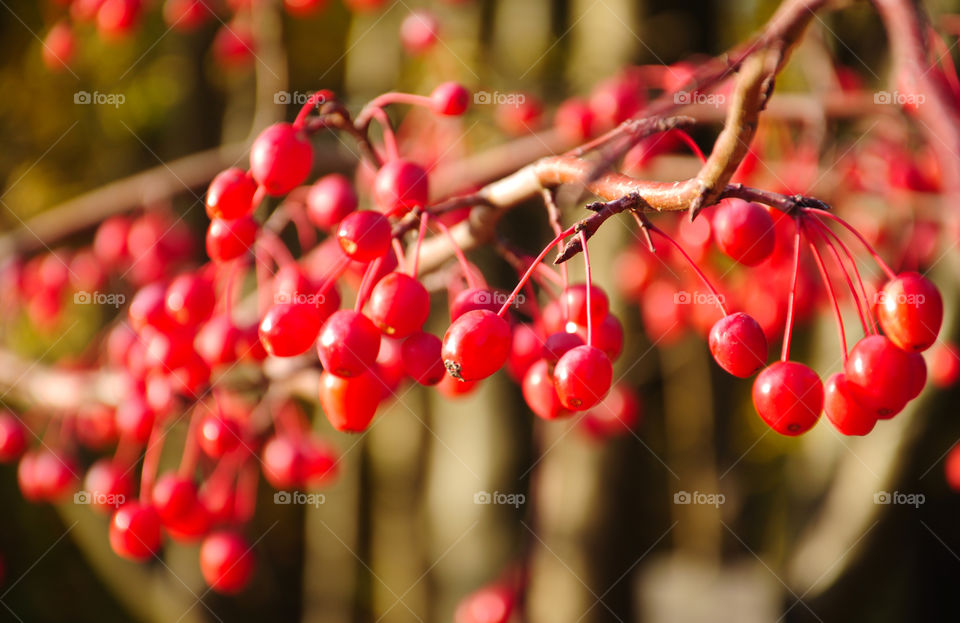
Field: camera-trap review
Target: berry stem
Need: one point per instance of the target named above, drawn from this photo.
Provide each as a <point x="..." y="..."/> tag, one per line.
<point x="792" y="299"/>
<point x="464" y="264"/>
<point x="313" y="102"/>
<point x="151" y="461"/>
<point x="830" y="292"/>
<point x="332" y="277"/>
<point x="389" y="138"/>
<point x="856" y="271"/>
<point x="688" y="140"/>
<point x="676" y="245"/>
<point x="398" y="251"/>
<point x="863" y="241"/>
<point x="815" y="231"/>
<point x="190" y="446"/>
<point x="586" y="264"/>
<point x="424" y="219"/>
<point x="533" y="266"/>
<point x="275" y="248"/>
<point x="246" y="501"/>
<point x="366" y="285"/>
<point x="393" y="97"/>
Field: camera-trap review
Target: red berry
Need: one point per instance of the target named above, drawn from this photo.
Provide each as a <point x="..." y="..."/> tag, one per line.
<point x="116" y="18"/>
<point x="280" y="159"/>
<point x="418" y="32"/>
<point x="520" y="117"/>
<point x="302" y="8"/>
<point x="539" y="391"/>
<point x="186" y="15"/>
<point x="216" y="341"/>
<point x="738" y="344"/>
<point x="952" y="468"/>
<point x="364" y="235"/>
<point x="190" y="299"/>
<point x="148" y="308"/>
<point x="846" y="414"/>
<point x="330" y="199"/>
<point x="45" y="475"/>
<point x="489" y="605"/>
<point x="616" y="100"/>
<point x="789" y="397"/>
<point x="13" y="437"/>
<point x="744" y="231"/>
<point x="230" y="195"/>
<point x="135" y="532"/>
<point x="944" y="365"/>
<point x="918" y="375"/>
<point x="910" y="311"/>
<point x="583" y="377"/>
<point x="400" y="186"/>
<point x="348" y="344"/>
<point x="421" y="358"/>
<point x="475" y="298"/>
<point x="174" y="497"/>
<point x="389" y="367"/>
<point x="450" y="99"/>
<point x="399" y="305"/>
<point x="227" y="240"/>
<point x="226" y="562"/>
<point x="476" y="345"/>
<point x="110" y="241"/>
<point x="219" y="435"/>
<point x="557" y="344"/>
<point x="289" y="329"/>
<point x="108" y="485"/>
<point x="58" y="47"/>
<point x="576" y="300"/>
<point x="350" y="404"/>
<point x="135" y="419"/>
<point x="607" y="336"/>
<point x="283" y="459"/>
<point x="615" y="416"/>
<point x="525" y="349"/>
<point x="233" y="46"/>
<point x="879" y="375"/>
<point x="574" y="120"/>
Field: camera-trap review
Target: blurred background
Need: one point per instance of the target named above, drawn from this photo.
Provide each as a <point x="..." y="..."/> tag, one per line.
<point x="597" y="529"/>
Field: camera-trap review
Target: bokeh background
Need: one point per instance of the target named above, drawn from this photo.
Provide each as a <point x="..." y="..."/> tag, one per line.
<point x="399" y="537"/>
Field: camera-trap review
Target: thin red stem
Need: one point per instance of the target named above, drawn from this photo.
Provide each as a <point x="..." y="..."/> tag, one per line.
<point x="424" y="219"/>
<point x="390" y="98"/>
<point x="586" y="263"/>
<point x="791" y="302"/>
<point x="366" y="283"/>
<point x="843" y="270"/>
<point x="315" y="99"/>
<point x="676" y="245"/>
<point x="830" y="292"/>
<point x="863" y="241"/>
<point x="389" y="138"/>
<point x="690" y="143"/>
<point x="533" y="266"/>
<point x="191" y="449"/>
<point x="464" y="264"/>
<point x="856" y="271"/>
<point x="151" y="461"/>
<point x="398" y="251"/>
